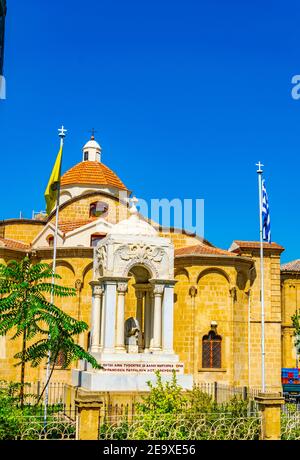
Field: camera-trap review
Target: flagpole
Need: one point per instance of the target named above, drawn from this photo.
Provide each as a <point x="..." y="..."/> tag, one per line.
<point x="62" y="134"/>
<point x="262" y="296"/>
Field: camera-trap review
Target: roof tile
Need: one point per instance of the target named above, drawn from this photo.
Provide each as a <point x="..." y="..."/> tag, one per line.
<point x="237" y="245"/>
<point x="93" y="173"/>
<point x="13" y="244"/>
<point x="201" y="249"/>
<point x="293" y="266"/>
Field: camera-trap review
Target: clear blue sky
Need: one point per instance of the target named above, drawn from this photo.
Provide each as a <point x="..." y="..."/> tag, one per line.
<point x="186" y="96"/>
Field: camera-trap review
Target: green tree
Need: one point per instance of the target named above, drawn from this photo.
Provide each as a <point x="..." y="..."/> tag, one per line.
<point x="62" y="342"/>
<point x="296" y="324"/>
<point x="25" y="311"/>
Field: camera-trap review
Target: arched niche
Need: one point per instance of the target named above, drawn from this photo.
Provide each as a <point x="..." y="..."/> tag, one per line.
<point x="214" y="270"/>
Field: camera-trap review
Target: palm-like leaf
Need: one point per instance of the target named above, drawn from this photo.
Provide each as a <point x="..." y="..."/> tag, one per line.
<point x="25" y="310"/>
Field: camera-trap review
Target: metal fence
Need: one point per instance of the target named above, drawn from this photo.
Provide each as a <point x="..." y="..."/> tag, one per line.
<point x="59" y="426"/>
<point x="56" y="392"/>
<point x="208" y="426"/>
<point x="290" y="425"/>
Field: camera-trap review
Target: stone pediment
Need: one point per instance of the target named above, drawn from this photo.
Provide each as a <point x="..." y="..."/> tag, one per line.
<point x="79" y="236"/>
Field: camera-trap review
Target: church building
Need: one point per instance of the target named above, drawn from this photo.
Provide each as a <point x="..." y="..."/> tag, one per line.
<point x="188" y="302"/>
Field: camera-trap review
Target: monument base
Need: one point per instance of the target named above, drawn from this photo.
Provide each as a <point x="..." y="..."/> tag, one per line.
<point x="125" y="381"/>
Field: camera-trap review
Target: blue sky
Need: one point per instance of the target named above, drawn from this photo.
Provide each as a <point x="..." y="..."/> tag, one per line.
<point x="186" y="97"/>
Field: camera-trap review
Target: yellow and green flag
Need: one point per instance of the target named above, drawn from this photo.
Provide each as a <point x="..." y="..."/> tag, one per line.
<point x="53" y="184"/>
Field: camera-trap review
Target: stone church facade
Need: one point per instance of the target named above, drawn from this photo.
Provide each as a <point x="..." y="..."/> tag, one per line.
<point x="216" y="293"/>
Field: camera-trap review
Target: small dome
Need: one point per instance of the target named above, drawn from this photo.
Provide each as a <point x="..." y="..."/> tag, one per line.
<point x="92" y="144"/>
<point x="134" y="225"/>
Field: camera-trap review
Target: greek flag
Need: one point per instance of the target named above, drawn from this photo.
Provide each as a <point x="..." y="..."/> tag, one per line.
<point x="266" y="223"/>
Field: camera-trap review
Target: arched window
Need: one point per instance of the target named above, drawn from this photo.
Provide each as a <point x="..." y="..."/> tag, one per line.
<point x="50" y="240"/>
<point x="97" y="209"/>
<point x="86" y="156"/>
<point x="211" y="350"/>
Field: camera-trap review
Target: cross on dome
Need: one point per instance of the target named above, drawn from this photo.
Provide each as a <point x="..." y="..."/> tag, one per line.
<point x="93" y="131"/>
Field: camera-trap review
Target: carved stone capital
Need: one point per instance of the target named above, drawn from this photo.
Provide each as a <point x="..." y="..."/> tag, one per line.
<point x="78" y="285"/>
<point x="98" y="290"/>
<point x="139" y="294"/>
<point x="158" y="289"/>
<point x="122" y="288"/>
<point x="193" y="291"/>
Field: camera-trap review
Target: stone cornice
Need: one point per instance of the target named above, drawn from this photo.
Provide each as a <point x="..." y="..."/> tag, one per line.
<point x="22" y="221"/>
<point x="46" y="253"/>
<point x="286" y="275"/>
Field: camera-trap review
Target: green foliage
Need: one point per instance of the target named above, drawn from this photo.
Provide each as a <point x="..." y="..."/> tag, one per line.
<point x="168" y="412"/>
<point x="25" y="310"/>
<point x="28" y="422"/>
<point x="163" y="398"/>
<point x="11" y="415"/>
<point x="296" y="324"/>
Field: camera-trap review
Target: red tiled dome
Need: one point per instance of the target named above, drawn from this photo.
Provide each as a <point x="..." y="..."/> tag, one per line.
<point x="91" y="173"/>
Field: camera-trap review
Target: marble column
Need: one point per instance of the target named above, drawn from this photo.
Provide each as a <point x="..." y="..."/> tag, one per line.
<point x="102" y="321"/>
<point x="96" y="317"/>
<point x="139" y="314"/>
<point x="110" y="299"/>
<point x="120" y="336"/>
<point x="168" y="319"/>
<point x="157" y="317"/>
<point x="151" y="319"/>
<point x="147" y="321"/>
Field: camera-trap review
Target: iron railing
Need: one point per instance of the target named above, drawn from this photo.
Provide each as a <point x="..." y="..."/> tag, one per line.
<point x="207" y="426"/>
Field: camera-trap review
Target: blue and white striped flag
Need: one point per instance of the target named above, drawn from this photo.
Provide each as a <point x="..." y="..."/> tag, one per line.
<point x="266" y="223"/>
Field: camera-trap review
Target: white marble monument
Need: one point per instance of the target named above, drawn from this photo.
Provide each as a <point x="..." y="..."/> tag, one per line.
<point x="131" y="349"/>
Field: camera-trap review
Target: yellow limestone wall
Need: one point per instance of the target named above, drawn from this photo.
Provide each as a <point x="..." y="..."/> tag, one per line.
<point x="24" y="232"/>
<point x="222" y="286"/>
<point x="80" y="209"/>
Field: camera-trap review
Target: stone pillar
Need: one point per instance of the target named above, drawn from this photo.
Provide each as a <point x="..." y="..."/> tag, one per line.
<point x="168" y="319"/>
<point x="147" y="322"/>
<point x="151" y="309"/>
<point x="270" y="407"/>
<point x="109" y="316"/>
<point x="96" y="316"/>
<point x="88" y="405"/>
<point x="139" y="314"/>
<point x="102" y="325"/>
<point x="120" y="340"/>
<point x="157" y="317"/>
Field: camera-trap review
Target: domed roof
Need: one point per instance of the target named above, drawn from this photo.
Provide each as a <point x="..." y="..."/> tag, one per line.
<point x="91" y="173"/>
<point x="92" y="144"/>
<point x="134" y="225"/>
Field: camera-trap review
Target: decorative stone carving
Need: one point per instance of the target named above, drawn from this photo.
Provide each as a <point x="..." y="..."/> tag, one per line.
<point x="122" y="288"/>
<point x="78" y="285"/>
<point x="158" y="289"/>
<point x="141" y="252"/>
<point x="102" y="257"/>
<point x="139" y="294"/>
<point x="98" y="290"/>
